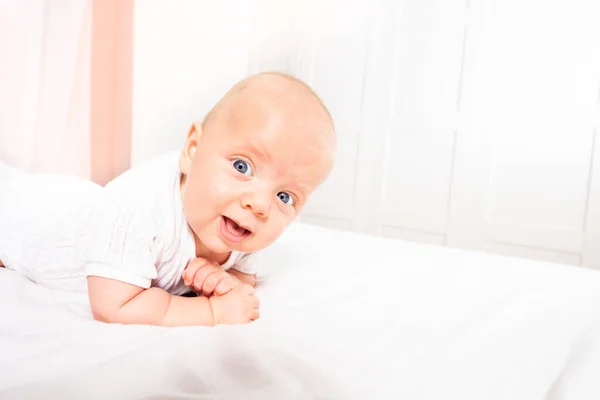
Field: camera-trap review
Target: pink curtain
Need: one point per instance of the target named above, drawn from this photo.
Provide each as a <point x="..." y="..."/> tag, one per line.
<point x="112" y="55"/>
<point x="44" y="76"/>
<point x="65" y="79"/>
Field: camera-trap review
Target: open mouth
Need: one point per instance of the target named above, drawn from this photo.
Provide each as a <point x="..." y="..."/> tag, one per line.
<point x="231" y="231"/>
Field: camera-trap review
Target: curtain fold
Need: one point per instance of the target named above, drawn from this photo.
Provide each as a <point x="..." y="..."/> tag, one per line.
<point x="45" y="50"/>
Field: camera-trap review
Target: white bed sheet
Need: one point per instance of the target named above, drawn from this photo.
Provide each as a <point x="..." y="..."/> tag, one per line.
<point x="343" y="316"/>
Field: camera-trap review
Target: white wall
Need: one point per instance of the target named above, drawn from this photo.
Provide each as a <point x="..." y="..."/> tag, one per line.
<point x="186" y="54"/>
<point x="464" y="123"/>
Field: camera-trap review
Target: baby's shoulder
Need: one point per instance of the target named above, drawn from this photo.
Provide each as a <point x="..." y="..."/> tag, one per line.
<point x="145" y="193"/>
<point x="156" y="174"/>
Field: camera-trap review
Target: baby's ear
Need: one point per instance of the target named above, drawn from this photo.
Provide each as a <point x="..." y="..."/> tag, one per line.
<point x="189" y="148"/>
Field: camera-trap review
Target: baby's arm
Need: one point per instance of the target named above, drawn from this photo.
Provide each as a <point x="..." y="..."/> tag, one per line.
<point x="248" y="279"/>
<point x="119" y="302"/>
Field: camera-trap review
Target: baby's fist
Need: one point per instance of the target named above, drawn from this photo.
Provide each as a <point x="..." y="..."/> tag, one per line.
<point x="239" y="306"/>
<point x="207" y="277"/>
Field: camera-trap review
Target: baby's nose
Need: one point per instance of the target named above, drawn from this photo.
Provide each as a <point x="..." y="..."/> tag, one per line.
<point x="258" y="201"/>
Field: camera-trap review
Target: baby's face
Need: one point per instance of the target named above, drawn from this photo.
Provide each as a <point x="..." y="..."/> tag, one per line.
<point x="251" y="172"/>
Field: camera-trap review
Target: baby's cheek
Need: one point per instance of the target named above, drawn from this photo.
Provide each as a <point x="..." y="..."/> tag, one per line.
<point x="191" y="207"/>
<point x="221" y="191"/>
<point x="277" y="227"/>
<point x="220" y="186"/>
<point x="196" y="199"/>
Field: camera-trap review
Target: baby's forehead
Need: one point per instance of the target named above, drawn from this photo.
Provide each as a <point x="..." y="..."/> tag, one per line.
<point x="279" y="117"/>
<point x="271" y="122"/>
<point x="280" y="150"/>
<point x="273" y="94"/>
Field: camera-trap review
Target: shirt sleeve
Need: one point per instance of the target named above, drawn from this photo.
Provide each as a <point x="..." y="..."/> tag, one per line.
<point x="119" y="242"/>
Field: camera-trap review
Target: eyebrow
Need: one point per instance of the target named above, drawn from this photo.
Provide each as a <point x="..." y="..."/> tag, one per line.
<point x="300" y="189"/>
<point x="257" y="151"/>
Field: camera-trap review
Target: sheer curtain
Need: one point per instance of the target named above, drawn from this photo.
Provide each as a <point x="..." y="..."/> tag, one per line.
<point x="45" y="48"/>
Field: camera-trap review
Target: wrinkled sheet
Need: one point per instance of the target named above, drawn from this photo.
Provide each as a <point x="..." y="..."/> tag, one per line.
<point x="343" y="316"/>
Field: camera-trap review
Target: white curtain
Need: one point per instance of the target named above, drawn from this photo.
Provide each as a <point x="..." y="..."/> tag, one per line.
<point x="45" y="48"/>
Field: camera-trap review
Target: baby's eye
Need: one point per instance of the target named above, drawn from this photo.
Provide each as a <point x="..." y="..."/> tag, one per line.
<point x="242" y="167"/>
<point x="286" y="198"/>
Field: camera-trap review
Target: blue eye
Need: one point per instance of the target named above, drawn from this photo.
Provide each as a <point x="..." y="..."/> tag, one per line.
<point x="242" y="167"/>
<point x="286" y="198"/>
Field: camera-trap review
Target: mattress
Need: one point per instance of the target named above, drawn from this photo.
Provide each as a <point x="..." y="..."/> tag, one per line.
<point x="343" y="316"/>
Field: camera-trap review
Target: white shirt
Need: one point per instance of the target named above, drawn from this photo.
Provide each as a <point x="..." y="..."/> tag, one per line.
<point x="132" y="230"/>
<point x="137" y="232"/>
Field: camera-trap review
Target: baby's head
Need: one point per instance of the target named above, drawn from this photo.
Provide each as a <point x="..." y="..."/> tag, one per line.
<point x="252" y="164"/>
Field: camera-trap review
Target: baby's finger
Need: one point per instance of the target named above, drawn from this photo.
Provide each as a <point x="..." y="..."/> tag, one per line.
<point x="254" y="315"/>
<point x="211" y="282"/>
<point x="201" y="275"/>
<point x="224" y="286"/>
<point x="190" y="272"/>
<point x="208" y="269"/>
<point x="192" y="269"/>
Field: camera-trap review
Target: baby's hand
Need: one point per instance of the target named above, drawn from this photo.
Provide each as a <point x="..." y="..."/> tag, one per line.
<point x="239" y="306"/>
<point x="207" y="277"/>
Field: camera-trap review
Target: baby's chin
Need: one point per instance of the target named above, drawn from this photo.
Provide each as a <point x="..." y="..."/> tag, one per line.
<point x="218" y="245"/>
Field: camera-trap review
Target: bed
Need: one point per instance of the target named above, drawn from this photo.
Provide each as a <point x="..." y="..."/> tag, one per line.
<point x="344" y="316"/>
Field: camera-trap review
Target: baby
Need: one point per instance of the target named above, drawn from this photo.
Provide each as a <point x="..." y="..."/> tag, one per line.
<point x="192" y="220"/>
